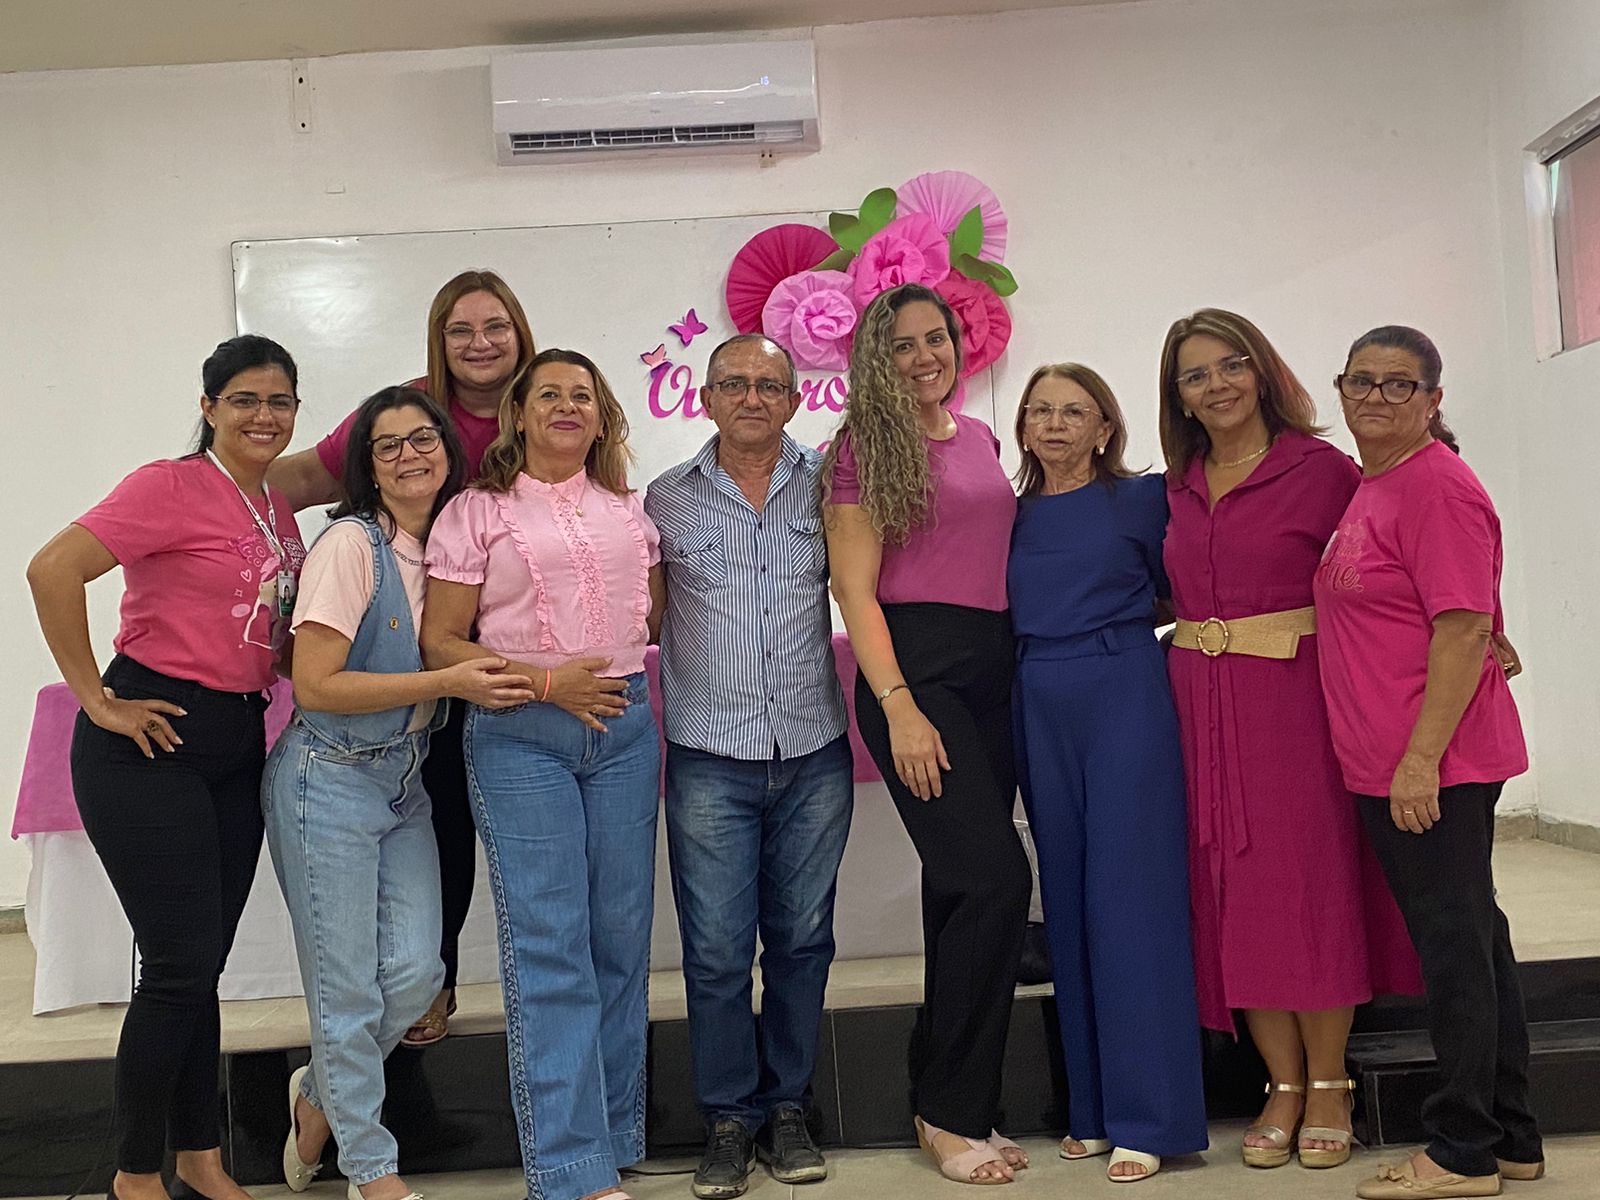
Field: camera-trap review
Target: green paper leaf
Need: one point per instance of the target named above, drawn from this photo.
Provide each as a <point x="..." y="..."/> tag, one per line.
<point x="968" y="237"/>
<point x="837" y="261"/>
<point x="981" y="270"/>
<point x="848" y="231"/>
<point x="878" y="209"/>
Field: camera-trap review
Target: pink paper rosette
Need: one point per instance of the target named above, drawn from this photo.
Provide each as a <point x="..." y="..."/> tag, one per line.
<point x="813" y="316"/>
<point x="907" y="250"/>
<point x="985" y="322"/>
<point x="765" y="261"/>
<point x="947" y="196"/>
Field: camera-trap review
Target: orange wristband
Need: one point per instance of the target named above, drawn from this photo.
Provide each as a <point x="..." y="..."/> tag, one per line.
<point x="548" y="675"/>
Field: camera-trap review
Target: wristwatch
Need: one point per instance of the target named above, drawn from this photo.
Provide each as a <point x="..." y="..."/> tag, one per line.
<point x="889" y="691"/>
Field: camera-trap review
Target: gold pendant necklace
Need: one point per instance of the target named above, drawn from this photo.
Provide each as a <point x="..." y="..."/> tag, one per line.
<point x="1239" y="462"/>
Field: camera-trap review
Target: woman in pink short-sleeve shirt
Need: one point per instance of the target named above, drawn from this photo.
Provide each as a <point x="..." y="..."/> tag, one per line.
<point x="167" y="760"/>
<point x="1408" y="609"/>
<point x="553" y="560"/>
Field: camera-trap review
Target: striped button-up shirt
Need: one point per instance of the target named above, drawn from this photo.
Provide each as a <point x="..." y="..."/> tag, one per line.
<point x="747" y="641"/>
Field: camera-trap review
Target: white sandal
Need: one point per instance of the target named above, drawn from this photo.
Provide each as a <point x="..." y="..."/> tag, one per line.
<point x="1150" y="1162"/>
<point x="1092" y="1148"/>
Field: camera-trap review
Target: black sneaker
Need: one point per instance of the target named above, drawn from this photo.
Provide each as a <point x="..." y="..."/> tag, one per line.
<point x="785" y="1145"/>
<point x="724" y="1170"/>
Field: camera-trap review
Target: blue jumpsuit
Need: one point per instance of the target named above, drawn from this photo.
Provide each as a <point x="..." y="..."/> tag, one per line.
<point x="1102" y="778"/>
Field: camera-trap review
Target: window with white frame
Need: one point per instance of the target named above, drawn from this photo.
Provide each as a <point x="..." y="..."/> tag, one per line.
<point x="1569" y="155"/>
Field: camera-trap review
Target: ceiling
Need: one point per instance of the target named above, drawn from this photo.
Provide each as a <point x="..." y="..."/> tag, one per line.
<point x="38" y="35"/>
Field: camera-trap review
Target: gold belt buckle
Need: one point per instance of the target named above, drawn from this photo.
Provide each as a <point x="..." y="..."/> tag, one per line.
<point x="1204" y="628"/>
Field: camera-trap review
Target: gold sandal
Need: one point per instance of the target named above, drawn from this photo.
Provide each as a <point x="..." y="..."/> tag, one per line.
<point x="1278" y="1153"/>
<point x="430" y="1027"/>
<point x="1319" y="1159"/>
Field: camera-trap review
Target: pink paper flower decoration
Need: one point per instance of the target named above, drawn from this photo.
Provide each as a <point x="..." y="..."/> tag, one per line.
<point x="906" y="250"/>
<point x="985" y="323"/>
<point x="813" y="316"/>
<point x="947" y="196"/>
<point x="764" y="261"/>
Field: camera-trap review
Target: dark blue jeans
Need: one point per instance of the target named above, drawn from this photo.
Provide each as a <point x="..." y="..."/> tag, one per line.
<point x="755" y="845"/>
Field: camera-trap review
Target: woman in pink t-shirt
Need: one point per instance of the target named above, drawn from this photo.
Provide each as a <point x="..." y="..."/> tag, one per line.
<point x="168" y="750"/>
<point x="919" y="515"/>
<point x="479" y="348"/>
<point x="551" y="563"/>
<point x="1426" y="731"/>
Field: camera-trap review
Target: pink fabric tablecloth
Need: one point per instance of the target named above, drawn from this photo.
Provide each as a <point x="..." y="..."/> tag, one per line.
<point x="44" y="799"/>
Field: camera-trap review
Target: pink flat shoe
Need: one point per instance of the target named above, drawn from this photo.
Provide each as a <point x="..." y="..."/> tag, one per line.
<point x="963" y="1165"/>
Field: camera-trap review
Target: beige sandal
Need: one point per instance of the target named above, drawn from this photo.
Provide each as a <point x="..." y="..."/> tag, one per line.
<point x="1320" y="1159"/>
<point x="960" y="1166"/>
<point x="431" y="1026"/>
<point x="1092" y="1148"/>
<point x="1278" y="1153"/>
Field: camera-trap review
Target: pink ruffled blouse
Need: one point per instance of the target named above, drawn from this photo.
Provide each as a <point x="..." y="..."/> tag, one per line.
<point x="564" y="570"/>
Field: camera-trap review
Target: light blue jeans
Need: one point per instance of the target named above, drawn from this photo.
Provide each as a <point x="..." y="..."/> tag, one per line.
<point x="352" y="843"/>
<point x="568" y="821"/>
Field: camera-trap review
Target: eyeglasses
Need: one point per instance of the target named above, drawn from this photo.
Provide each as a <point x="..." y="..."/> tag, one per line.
<point x="247" y="403"/>
<point x="497" y="333"/>
<point x="735" y="387"/>
<point x="1393" y="391"/>
<point x="424" y="439"/>
<point x="1231" y="369"/>
<point x="1072" y="414"/>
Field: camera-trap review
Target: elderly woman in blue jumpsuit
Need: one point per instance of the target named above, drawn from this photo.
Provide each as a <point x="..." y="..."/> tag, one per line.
<point x="1102" y="778"/>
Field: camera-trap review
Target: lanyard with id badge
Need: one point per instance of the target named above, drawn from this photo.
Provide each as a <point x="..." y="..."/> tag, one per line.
<point x="284" y="587"/>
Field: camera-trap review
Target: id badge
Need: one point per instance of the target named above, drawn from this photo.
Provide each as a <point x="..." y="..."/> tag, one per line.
<point x="286" y="588"/>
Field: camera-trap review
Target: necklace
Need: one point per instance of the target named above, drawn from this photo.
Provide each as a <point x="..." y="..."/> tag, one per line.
<point x="404" y="557"/>
<point x="1239" y="462"/>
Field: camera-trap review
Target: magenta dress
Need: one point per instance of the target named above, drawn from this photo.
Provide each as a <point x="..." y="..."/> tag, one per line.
<point x="1289" y="907"/>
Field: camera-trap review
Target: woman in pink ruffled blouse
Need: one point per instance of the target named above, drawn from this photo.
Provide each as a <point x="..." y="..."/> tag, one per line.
<point x="550" y="562"/>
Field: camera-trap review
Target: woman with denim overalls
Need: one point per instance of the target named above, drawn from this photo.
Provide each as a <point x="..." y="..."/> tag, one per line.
<point x="347" y="817"/>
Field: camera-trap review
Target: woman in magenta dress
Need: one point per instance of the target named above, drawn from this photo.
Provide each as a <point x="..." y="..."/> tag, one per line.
<point x="1292" y="921"/>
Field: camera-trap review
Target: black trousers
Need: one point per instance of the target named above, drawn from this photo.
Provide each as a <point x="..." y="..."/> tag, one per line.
<point x="444" y="774"/>
<point x="1445" y="888"/>
<point x="976" y="882"/>
<point x="178" y="836"/>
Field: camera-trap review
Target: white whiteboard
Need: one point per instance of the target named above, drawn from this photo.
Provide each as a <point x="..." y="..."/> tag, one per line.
<point x="353" y="312"/>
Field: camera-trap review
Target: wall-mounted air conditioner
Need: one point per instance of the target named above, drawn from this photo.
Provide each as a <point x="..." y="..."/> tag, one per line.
<point x="561" y="104"/>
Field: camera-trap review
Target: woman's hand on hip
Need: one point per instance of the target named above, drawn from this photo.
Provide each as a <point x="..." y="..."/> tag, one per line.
<point x="1414" y="793"/>
<point x="144" y="721"/>
<point x="490" y="682"/>
<point x="917" y="748"/>
<point x="575" y="687"/>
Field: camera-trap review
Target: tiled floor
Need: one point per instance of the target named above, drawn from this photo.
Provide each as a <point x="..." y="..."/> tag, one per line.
<point x="1550" y="893"/>
<point x="906" y="1175"/>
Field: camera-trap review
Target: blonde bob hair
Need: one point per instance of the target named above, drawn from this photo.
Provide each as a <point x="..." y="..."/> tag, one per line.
<point x="1284" y="401"/>
<point x="881" y="418"/>
<point x="608" y="459"/>
<point x="1108" y="465"/>
<point x="464" y="284"/>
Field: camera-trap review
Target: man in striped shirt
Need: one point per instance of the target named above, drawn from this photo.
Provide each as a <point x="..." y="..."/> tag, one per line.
<point x="759" y="789"/>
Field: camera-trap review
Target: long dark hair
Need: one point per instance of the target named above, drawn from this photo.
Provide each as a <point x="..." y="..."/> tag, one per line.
<point x="241" y="353"/>
<point x="361" y="495"/>
<point x="1419" y="345"/>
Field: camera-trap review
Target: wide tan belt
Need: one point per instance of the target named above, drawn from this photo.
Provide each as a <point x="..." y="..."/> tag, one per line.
<point x="1266" y="635"/>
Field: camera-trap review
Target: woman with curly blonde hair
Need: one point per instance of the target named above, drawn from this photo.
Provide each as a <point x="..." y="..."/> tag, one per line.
<point x="919" y="516"/>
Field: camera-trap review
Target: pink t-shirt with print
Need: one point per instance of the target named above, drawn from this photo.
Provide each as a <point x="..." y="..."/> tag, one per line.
<point x="564" y="570"/>
<point x="1420" y="539"/>
<point x="336" y="586"/>
<point x="476" y="435"/>
<point x="199" y="597"/>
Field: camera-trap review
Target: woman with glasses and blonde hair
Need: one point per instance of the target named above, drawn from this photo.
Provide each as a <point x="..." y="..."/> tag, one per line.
<point x="479" y="351"/>
<point x="918" y="520"/>
<point x="1426" y="731"/>
<point x="550" y="563"/>
<point x="1102" y="776"/>
<point x="1291" y="920"/>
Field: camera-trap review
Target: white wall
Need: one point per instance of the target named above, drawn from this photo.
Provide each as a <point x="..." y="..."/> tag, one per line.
<point x="1551" y="55"/>
<point x="1323" y="167"/>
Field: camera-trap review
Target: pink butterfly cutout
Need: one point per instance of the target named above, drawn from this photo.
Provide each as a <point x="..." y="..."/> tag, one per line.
<point x="656" y="357"/>
<point x="688" y="328"/>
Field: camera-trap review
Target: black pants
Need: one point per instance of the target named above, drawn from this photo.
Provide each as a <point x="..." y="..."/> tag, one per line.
<point x="178" y="836"/>
<point x="1443" y="883"/>
<point x="976" y="882"/>
<point x="444" y="774"/>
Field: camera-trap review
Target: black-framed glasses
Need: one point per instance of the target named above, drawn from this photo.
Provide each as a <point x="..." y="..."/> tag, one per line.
<point x="1231" y="369"/>
<point x="1359" y="387"/>
<point x="736" y="386"/>
<point x="247" y="403"/>
<point x="424" y="439"/>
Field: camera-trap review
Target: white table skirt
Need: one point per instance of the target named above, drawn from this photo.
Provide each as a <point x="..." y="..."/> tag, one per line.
<point x="84" y="945"/>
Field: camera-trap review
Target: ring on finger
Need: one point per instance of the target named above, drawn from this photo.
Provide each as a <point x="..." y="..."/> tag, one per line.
<point x="152" y="726"/>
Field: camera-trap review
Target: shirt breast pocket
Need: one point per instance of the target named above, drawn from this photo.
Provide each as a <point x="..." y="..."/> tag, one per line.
<point x="808" y="549"/>
<point x="699" y="559"/>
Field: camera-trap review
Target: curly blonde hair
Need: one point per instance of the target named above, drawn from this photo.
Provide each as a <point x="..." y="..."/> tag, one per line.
<point x="881" y="418"/>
